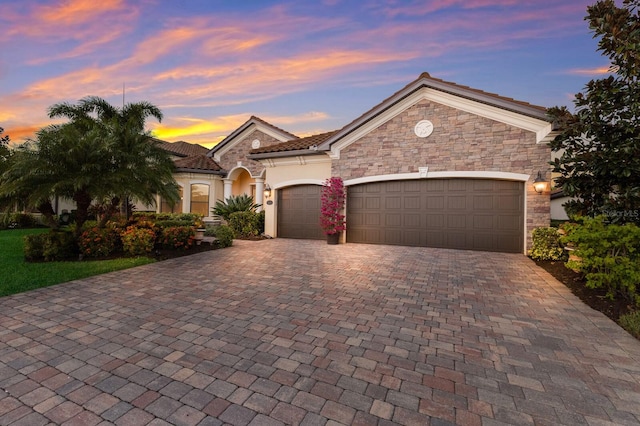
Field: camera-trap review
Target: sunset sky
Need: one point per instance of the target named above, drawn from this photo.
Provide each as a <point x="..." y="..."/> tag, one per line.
<point x="305" y="66"/>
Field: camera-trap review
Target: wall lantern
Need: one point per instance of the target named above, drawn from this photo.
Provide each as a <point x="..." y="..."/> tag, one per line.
<point x="539" y="184"/>
<point x="267" y="191"/>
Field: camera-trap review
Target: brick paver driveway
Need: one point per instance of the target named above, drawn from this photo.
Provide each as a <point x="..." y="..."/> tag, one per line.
<point x="299" y="332"/>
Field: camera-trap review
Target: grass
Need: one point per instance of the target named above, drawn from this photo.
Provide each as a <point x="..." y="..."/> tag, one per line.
<point x="17" y="275"/>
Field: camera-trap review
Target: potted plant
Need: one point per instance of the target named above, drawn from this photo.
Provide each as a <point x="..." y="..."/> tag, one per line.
<point x="332" y="203"/>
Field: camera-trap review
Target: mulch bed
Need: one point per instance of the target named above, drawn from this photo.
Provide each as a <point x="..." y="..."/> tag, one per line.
<point x="595" y="298"/>
<point x="170" y="254"/>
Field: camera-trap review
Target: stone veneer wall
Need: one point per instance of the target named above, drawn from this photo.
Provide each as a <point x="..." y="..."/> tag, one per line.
<point x="460" y="141"/>
<point x="241" y="149"/>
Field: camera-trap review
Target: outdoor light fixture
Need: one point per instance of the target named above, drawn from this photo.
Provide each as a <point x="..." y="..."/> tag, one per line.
<point x="267" y="191"/>
<point x="539" y="184"/>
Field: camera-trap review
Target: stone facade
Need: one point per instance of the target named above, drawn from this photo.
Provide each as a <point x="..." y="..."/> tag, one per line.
<point x="460" y="141"/>
<point x="240" y="150"/>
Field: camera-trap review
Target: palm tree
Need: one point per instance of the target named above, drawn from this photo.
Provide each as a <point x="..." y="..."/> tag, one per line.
<point x="65" y="160"/>
<point x="141" y="169"/>
<point x="102" y="155"/>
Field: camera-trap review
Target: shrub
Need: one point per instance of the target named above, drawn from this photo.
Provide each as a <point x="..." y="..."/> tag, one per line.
<point x="233" y="204"/>
<point x="169" y="223"/>
<point x="332" y="200"/>
<point x="60" y="245"/>
<point x="98" y="242"/>
<point x="17" y="220"/>
<point x="245" y="224"/>
<point x="138" y="241"/>
<point x="609" y="256"/>
<point x="261" y="217"/>
<point x="177" y="237"/>
<point x="210" y="231"/>
<point x="34" y="246"/>
<point x="191" y="218"/>
<point x="546" y="245"/>
<point x="224" y="236"/>
<point x="631" y="323"/>
<point x="54" y="245"/>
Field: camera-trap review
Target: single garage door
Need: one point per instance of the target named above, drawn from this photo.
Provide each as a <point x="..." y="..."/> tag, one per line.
<point x="299" y="212"/>
<point x="469" y="214"/>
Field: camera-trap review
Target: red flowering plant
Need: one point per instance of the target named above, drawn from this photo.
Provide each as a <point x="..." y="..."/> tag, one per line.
<point x="332" y="198"/>
<point x="178" y="237"/>
<point x="97" y="242"/>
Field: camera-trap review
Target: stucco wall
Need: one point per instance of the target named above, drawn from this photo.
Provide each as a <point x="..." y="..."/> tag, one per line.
<point x="238" y="153"/>
<point x="460" y="141"/>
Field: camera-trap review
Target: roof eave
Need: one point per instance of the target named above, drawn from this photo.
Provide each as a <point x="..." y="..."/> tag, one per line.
<point x="201" y="171"/>
<point x="282" y="154"/>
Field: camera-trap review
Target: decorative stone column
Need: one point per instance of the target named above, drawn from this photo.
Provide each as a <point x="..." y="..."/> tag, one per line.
<point x="228" y="186"/>
<point x="259" y="193"/>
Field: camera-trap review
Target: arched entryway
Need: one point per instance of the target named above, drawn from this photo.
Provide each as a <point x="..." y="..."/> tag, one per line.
<point x="240" y="181"/>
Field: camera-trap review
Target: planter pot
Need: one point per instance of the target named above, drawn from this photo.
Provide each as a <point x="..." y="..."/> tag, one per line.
<point x="333" y="238"/>
<point x="199" y="235"/>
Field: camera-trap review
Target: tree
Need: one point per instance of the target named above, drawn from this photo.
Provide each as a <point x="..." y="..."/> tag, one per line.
<point x="4" y="150"/>
<point x="599" y="145"/>
<point x="140" y="168"/>
<point x="94" y="158"/>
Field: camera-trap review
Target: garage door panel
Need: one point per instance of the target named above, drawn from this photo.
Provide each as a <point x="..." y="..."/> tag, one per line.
<point x="412" y="203"/>
<point x="412" y="220"/>
<point x="299" y="212"/>
<point x="483" y="222"/>
<point x="435" y="202"/>
<point x="372" y="219"/>
<point x="510" y="203"/>
<point x="456" y="221"/>
<point x="435" y="221"/>
<point x="372" y="203"/>
<point x="477" y="214"/>
<point x="483" y="202"/>
<point x="457" y="202"/>
<point x="483" y="185"/>
<point x="393" y="203"/>
<point x="508" y="223"/>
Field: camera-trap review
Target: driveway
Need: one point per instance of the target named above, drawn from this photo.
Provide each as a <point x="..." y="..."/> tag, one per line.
<point x="300" y="332"/>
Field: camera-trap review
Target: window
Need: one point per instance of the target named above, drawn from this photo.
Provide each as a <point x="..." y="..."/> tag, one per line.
<point x="166" y="208"/>
<point x="200" y="199"/>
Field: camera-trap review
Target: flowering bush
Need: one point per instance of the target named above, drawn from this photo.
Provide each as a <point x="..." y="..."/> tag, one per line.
<point x="97" y="242"/>
<point x="332" y="198"/>
<point x="176" y="237"/>
<point x="138" y="241"/>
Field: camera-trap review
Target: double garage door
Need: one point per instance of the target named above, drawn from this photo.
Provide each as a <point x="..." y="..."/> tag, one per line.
<point x="470" y="214"/>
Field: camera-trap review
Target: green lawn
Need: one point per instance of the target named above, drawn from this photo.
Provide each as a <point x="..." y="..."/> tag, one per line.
<point x="17" y="276"/>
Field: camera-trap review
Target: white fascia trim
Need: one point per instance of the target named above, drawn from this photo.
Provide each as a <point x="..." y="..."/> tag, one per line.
<point x="299" y="160"/>
<point x="246" y="132"/>
<point x="540" y="127"/>
<point x="295" y="182"/>
<point x="441" y="175"/>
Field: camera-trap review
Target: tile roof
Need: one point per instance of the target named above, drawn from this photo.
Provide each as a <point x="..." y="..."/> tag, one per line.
<point x="252" y="120"/>
<point x="426" y="75"/>
<point x="198" y="163"/>
<point x="305" y="143"/>
<point x="182" y="148"/>
<point x="424" y="80"/>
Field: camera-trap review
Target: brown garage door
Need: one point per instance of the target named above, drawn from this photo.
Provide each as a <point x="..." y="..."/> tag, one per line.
<point x="299" y="212"/>
<point x="471" y="214"/>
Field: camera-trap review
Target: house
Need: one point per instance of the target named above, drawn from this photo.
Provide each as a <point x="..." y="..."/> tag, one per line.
<point x="436" y="164"/>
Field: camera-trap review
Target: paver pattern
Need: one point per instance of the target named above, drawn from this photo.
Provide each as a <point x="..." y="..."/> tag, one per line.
<point x="282" y="332"/>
